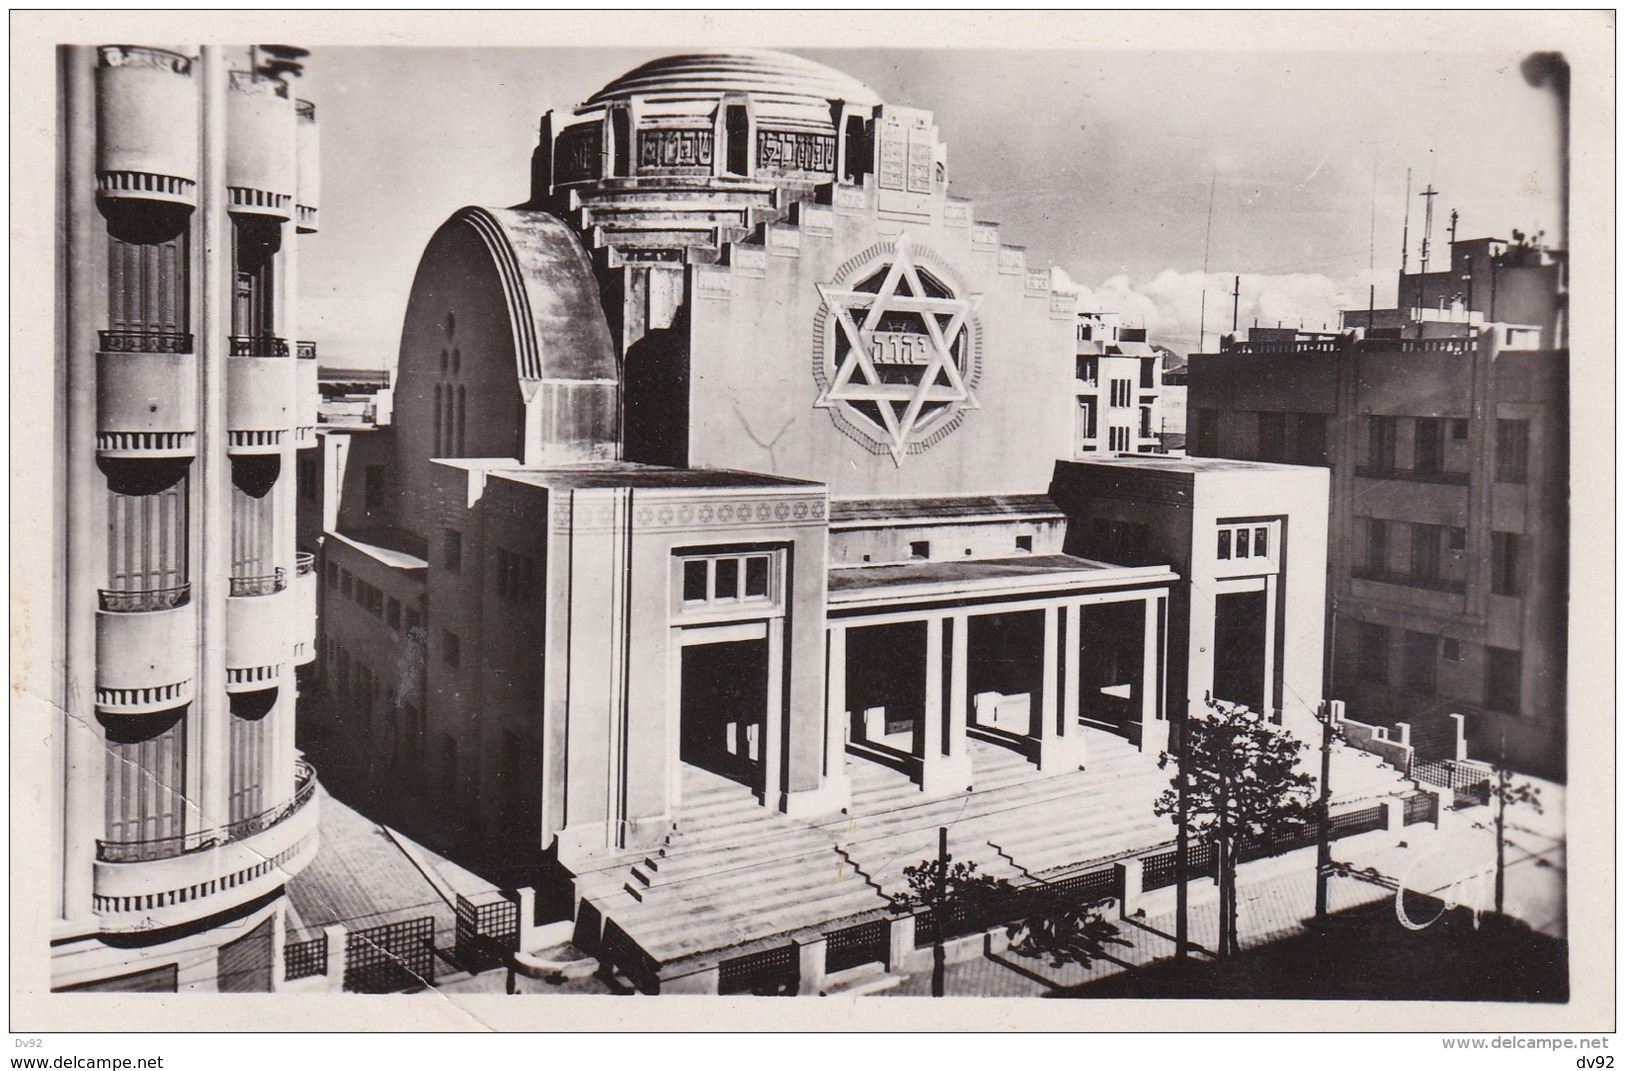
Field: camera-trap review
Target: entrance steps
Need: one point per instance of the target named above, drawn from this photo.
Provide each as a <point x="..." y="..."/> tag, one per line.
<point x="1360" y="775"/>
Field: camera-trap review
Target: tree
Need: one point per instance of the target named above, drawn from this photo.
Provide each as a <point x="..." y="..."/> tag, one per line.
<point x="1242" y="788"/>
<point x="949" y="889"/>
<point x="1062" y="930"/>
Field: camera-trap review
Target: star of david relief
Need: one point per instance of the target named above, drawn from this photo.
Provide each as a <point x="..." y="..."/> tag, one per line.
<point x="900" y="367"/>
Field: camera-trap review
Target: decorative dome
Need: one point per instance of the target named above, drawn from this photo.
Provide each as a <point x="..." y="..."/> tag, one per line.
<point x="757" y="73"/>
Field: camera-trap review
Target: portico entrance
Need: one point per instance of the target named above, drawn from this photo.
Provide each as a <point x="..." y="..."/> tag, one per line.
<point x="723" y="708"/>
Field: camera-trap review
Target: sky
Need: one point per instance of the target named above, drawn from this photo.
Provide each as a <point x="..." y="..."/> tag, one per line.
<point x="1102" y="162"/>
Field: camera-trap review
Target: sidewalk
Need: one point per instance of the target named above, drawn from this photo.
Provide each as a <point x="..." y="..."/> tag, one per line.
<point x="1277" y="896"/>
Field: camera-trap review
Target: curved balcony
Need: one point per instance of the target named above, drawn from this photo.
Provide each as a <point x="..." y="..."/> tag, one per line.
<point x="150" y="885"/>
<point x="307" y="141"/>
<point x="261" y="172"/>
<point x="146" y="394"/>
<point x="308" y="399"/>
<point x="146" y="644"/>
<point x="146" y="126"/>
<point x="305" y="584"/>
<point x="259" y="635"/>
<point x="260" y="395"/>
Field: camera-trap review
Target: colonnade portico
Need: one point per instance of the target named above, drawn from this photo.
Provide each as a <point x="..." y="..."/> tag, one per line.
<point x="1051" y="734"/>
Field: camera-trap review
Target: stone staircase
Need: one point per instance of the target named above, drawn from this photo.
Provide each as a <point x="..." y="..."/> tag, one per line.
<point x="733" y="872"/>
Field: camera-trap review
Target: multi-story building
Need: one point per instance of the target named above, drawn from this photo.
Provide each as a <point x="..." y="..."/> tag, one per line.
<point x="1118" y="384"/>
<point x="1445" y="429"/>
<point x="716" y="555"/>
<point x="180" y="608"/>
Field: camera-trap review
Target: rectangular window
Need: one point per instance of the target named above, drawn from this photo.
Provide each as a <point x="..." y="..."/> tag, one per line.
<point x="1088" y="370"/>
<point x="1243" y="543"/>
<point x="756" y="576"/>
<point x="1145" y="422"/>
<point x="1024" y="544"/>
<point x="696" y="580"/>
<point x="1511" y="451"/>
<point x="1224" y="544"/>
<point x="1376" y="545"/>
<point x="1261" y="542"/>
<point x="1087" y="428"/>
<point x="373" y="491"/>
<point x="1207" y="433"/>
<point x="1504" y="578"/>
<point x="919" y="549"/>
<point x="1372" y="645"/>
<point x="1425" y="552"/>
<point x="1421" y="662"/>
<point x="394" y="614"/>
<point x="1148" y="373"/>
<point x="1122" y="393"/>
<point x="306" y="476"/>
<point x="453" y="556"/>
<point x="1458" y="539"/>
<point x="1458" y="430"/>
<point x="146" y="776"/>
<point x="1272" y="436"/>
<point x="148" y="289"/>
<point x="1503" y="680"/>
<point x="147" y="537"/>
<point x="1119" y="440"/>
<point x="1452" y="650"/>
<point x="451" y="651"/>
<point x="1429" y="445"/>
<point x="1311" y="446"/>
<point x="727" y="579"/>
<point x="1383" y="445"/>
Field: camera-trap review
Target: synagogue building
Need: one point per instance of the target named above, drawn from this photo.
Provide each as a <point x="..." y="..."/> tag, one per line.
<point x="726" y="539"/>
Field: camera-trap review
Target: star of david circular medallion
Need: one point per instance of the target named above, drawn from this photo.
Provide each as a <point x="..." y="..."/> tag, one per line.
<point x="897" y="358"/>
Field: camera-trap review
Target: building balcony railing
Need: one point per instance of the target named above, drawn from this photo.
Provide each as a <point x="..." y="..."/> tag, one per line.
<point x="1383" y="576"/>
<point x="242" y="586"/>
<point x="306" y="350"/>
<point x="258" y="346"/>
<point x="145" y="341"/>
<point x="1372" y="472"/>
<point x="1418" y="345"/>
<point x="140" y="602"/>
<point x="141" y="56"/>
<point x="304" y="563"/>
<point x="146" y="851"/>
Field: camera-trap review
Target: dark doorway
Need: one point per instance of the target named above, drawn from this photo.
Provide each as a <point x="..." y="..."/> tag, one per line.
<point x="1004" y="673"/>
<point x="1238" y="649"/>
<point x="1111" y="666"/>
<point x="724" y="702"/>
<point x="736" y="134"/>
<point x="885" y="673"/>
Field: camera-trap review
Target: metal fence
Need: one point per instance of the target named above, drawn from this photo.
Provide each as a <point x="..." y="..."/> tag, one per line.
<point x="1355" y="822"/>
<point x="391" y="957"/>
<point x="772" y="972"/>
<point x="1420" y="807"/>
<point x="1470" y="783"/>
<point x="304" y="959"/>
<point x="620" y="953"/>
<point x="868" y="942"/>
<point x="487" y="934"/>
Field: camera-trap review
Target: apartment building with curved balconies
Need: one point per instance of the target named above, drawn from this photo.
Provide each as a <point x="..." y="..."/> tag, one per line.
<point x="181" y="807"/>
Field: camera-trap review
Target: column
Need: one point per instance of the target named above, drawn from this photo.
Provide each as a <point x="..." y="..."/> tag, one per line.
<point x="1049" y="745"/>
<point x="1071" y="731"/>
<point x="1153" y="729"/>
<point x="932" y="773"/>
<point x="773" y="718"/>
<point x="958" y="689"/>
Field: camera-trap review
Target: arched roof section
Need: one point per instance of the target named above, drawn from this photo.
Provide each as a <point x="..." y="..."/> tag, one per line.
<point x="559" y="331"/>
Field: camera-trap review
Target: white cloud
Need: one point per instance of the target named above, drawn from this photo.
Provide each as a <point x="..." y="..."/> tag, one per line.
<point x="1169" y="305"/>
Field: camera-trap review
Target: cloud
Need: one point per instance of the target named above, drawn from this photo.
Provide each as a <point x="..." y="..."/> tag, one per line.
<point x="1170" y="304"/>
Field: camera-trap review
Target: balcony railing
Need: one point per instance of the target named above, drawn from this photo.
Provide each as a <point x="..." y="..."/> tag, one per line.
<point x="1372" y="472"/>
<point x="146" y="851"/>
<point x="242" y="586"/>
<point x="304" y="563"/>
<point x="1381" y="576"/>
<point x="138" y="602"/>
<point x="306" y="350"/>
<point x="145" y="341"/>
<point x="1418" y="345"/>
<point x="258" y="346"/>
<point x="142" y="56"/>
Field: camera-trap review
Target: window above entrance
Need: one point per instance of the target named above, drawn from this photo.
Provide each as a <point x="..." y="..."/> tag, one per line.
<point x="749" y="582"/>
<point x="1248" y="548"/>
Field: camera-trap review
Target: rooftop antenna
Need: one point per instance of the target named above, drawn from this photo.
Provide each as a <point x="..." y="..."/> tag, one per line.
<point x="1207" y="243"/>
<point x="1427" y="196"/>
<point x="1454" y="216"/>
<point x="1405" y="235"/>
